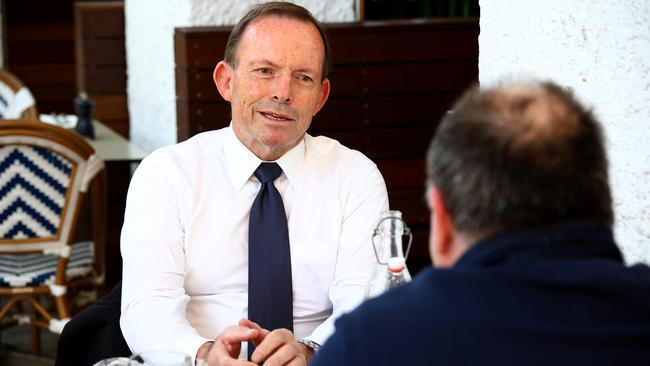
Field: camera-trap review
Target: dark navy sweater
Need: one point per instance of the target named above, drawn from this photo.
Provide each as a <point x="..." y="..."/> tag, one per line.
<point x="549" y="296"/>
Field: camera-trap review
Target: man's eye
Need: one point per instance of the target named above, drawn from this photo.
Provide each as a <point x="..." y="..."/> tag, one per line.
<point x="264" y="71"/>
<point x="306" y="78"/>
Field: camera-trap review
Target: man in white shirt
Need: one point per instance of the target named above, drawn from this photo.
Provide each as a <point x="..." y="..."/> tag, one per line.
<point x="185" y="235"/>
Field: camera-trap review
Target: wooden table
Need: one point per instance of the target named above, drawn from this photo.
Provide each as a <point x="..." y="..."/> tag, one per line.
<point x="112" y="147"/>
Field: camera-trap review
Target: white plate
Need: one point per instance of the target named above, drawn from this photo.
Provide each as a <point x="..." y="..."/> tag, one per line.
<point x="68" y="121"/>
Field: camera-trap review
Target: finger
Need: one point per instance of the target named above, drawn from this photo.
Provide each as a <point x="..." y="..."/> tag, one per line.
<point x="251" y="324"/>
<point x="287" y="354"/>
<point x="237" y="334"/>
<point x="272" y="342"/>
<point x="229" y="341"/>
<point x="233" y="362"/>
<point x="298" y="361"/>
<point x="219" y="355"/>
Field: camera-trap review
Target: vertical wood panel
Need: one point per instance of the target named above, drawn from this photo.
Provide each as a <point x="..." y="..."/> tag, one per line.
<point x="39" y="50"/>
<point x="100" y="60"/>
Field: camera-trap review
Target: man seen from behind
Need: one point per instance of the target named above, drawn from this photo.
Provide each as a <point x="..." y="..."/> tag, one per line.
<point x="526" y="268"/>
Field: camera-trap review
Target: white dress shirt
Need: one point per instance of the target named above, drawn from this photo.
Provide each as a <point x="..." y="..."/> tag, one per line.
<point x="185" y="238"/>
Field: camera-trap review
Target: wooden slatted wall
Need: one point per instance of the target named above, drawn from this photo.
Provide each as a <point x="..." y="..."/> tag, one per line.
<point x="40" y="50"/>
<point x="391" y="83"/>
<point x="100" y="60"/>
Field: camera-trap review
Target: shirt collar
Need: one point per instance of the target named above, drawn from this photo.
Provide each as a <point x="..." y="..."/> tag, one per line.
<point x="241" y="162"/>
<point x="291" y="162"/>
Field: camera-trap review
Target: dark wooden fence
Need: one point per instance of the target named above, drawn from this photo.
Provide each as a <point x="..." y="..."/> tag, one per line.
<point x="391" y="83"/>
<point x="100" y="60"/>
<point x="39" y="49"/>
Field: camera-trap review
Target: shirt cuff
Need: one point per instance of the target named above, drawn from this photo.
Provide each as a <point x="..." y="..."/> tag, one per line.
<point x="322" y="332"/>
<point x="190" y="345"/>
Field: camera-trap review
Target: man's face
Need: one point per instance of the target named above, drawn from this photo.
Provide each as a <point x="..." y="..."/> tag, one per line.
<point x="275" y="89"/>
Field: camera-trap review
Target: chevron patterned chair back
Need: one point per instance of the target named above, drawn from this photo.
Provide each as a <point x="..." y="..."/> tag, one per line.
<point x="45" y="173"/>
<point x="16" y="101"/>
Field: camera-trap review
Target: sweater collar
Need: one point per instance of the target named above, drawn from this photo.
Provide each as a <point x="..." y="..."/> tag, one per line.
<point x="565" y="239"/>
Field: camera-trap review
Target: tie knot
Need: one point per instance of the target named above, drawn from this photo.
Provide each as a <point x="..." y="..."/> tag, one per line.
<point x="268" y="172"/>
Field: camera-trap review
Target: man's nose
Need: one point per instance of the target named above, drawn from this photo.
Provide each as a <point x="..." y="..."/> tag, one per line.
<point x="282" y="89"/>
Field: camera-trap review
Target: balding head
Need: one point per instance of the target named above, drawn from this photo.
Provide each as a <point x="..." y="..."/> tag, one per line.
<point x="520" y="155"/>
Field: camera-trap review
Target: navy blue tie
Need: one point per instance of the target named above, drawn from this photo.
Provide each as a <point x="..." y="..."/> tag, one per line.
<point x="270" y="291"/>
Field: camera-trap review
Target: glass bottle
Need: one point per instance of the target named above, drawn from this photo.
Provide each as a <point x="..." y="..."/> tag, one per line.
<point x="391" y="270"/>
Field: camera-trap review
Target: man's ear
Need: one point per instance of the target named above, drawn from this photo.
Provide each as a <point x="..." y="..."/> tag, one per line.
<point x="222" y="76"/>
<point x="441" y="237"/>
<point x="324" y="94"/>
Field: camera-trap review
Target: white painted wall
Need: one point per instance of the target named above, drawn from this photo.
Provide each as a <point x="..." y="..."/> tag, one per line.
<point x="601" y="49"/>
<point x="150" y="54"/>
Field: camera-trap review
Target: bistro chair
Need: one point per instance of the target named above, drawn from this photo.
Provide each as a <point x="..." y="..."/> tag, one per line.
<point x="16" y="101"/>
<point x="45" y="175"/>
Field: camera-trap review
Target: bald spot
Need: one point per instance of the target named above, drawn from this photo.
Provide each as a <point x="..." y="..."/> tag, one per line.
<point x="535" y="120"/>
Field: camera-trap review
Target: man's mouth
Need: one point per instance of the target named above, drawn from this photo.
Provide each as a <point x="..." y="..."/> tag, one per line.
<point x="276" y="116"/>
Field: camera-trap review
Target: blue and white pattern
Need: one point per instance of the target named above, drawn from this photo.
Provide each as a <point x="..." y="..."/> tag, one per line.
<point x="6" y="95"/>
<point x="33" y="186"/>
<point x="39" y="269"/>
<point x="14" y="103"/>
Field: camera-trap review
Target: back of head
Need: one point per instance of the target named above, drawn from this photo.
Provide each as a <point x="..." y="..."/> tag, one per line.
<point x="518" y="156"/>
<point x="279" y="9"/>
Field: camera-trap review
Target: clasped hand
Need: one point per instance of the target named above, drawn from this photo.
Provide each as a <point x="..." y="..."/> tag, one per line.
<point x="273" y="348"/>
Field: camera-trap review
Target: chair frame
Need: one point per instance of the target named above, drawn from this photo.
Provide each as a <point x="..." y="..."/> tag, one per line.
<point x="14" y="83"/>
<point x="64" y="142"/>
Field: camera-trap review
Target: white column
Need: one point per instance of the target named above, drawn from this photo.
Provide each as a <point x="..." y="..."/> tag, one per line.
<point x="150" y="69"/>
<point x="150" y="54"/>
<point x="601" y="49"/>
